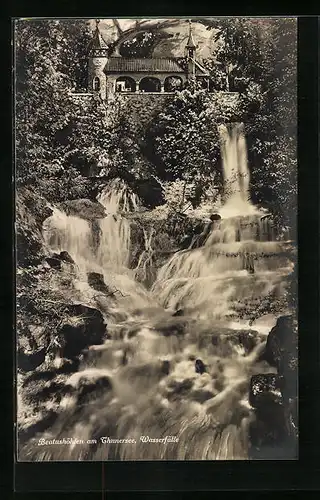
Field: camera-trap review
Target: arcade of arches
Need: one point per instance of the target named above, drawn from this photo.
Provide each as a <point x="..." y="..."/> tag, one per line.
<point x="148" y="84"/>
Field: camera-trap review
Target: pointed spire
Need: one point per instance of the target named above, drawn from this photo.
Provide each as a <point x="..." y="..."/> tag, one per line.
<point x="97" y="41"/>
<point x="191" y="44"/>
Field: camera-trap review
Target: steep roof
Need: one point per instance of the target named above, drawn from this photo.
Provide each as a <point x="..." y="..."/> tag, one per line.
<point x="155" y="65"/>
<point x="97" y="41"/>
<point x="191" y="44"/>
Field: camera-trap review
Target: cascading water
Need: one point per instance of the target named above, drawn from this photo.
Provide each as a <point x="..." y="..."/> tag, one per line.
<point x="150" y="355"/>
<point x="236" y="173"/>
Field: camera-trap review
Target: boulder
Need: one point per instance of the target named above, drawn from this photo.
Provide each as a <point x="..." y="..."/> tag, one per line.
<point x="282" y="352"/>
<point x="54" y="262"/>
<point x="96" y="281"/>
<point x="56" y="259"/>
<point x="65" y="256"/>
<point x="83" y="326"/>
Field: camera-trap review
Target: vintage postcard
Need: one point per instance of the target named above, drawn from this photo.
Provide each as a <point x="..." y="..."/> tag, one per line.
<point x="155" y="165"/>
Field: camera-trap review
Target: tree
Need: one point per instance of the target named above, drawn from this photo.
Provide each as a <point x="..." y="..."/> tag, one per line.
<point x="182" y="141"/>
<point x="58" y="138"/>
<point x="259" y="57"/>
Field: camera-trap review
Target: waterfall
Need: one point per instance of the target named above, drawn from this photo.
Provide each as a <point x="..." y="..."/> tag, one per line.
<point x="195" y="311"/>
<point x="236" y="173"/>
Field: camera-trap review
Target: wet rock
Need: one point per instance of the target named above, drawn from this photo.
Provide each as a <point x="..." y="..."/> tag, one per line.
<point x="29" y="362"/>
<point x="200" y="366"/>
<point x="84" y="208"/>
<point x="65" y="256"/>
<point x="282" y="347"/>
<point x="54" y="262"/>
<point x="84" y="326"/>
<point x="96" y="281"/>
<point x="274" y="397"/>
<point x="89" y="389"/>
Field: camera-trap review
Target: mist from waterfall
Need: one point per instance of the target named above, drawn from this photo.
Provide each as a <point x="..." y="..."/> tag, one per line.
<point x="150" y="353"/>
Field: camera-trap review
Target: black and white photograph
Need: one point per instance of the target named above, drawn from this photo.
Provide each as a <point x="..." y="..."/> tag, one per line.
<point x="156" y="242"/>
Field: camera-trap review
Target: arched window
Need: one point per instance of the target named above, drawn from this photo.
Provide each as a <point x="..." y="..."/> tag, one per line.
<point x="96" y="84"/>
<point x="150" y="84"/>
<point x="125" y="84"/>
<point x="173" y="83"/>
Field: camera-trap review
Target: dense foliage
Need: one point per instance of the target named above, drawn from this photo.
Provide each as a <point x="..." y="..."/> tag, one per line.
<point x="60" y="140"/>
<point x="259" y="57"/>
<point x="182" y="142"/>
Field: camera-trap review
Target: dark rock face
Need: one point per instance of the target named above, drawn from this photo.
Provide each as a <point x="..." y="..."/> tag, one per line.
<point x="274" y="397"/>
<point x="84" y="208"/>
<point x="66" y="257"/>
<point x="57" y="258"/>
<point x="96" y="281"/>
<point x="85" y="327"/>
<point x="54" y="262"/>
<point x="29" y="362"/>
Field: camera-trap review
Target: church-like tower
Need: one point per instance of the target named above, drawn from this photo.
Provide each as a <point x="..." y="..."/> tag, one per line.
<point x="191" y="55"/>
<point x="98" y="57"/>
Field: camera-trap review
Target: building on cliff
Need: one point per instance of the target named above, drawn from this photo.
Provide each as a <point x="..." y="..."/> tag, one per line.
<point x="110" y="73"/>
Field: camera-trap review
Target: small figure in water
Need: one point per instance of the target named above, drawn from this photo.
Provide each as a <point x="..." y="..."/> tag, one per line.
<point x="200" y="366"/>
